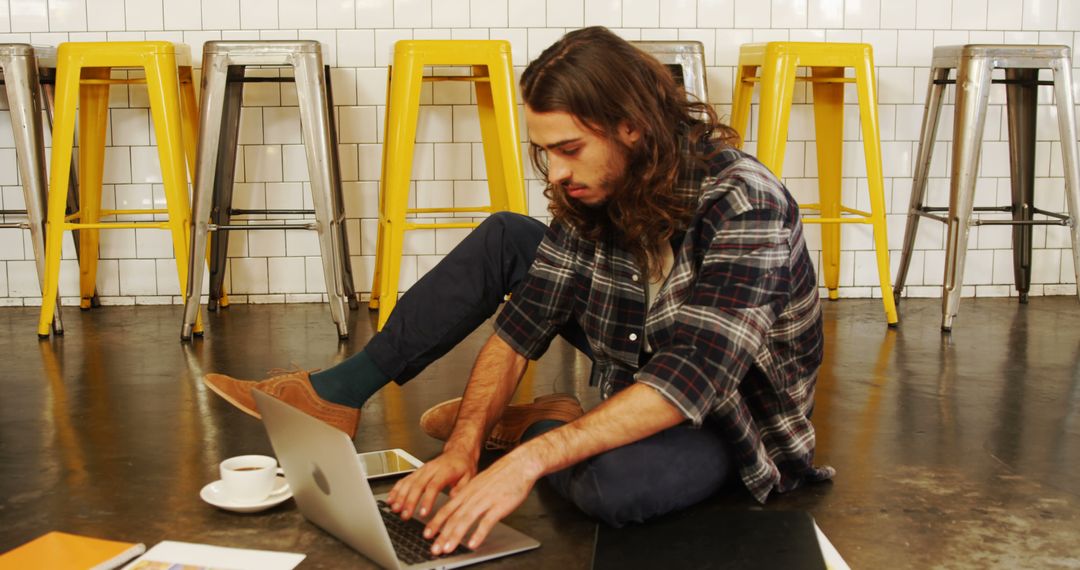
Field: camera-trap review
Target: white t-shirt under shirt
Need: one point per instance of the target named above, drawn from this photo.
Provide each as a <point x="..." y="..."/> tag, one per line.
<point x="667" y="261"/>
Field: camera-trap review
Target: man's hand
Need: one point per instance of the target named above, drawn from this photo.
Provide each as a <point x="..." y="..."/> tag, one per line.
<point x="633" y="414"/>
<point x="483" y="502"/>
<point x="496" y="372"/>
<point x="452" y="468"/>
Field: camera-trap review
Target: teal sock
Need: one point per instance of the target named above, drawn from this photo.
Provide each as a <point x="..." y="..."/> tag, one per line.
<point x="351" y="382"/>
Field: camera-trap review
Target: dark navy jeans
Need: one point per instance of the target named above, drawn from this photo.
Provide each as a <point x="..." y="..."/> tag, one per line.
<point x="459" y="294"/>
<point x="668" y="471"/>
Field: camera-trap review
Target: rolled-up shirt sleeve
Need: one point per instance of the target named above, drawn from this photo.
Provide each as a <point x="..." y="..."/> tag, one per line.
<point x="542" y="303"/>
<point x="742" y="286"/>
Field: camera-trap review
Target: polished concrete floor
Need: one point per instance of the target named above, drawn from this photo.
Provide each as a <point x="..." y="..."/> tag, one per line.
<point x="956" y="451"/>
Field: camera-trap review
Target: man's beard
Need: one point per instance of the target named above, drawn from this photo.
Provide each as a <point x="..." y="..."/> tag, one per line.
<point x="598" y="220"/>
<point x="612" y="183"/>
<point x="601" y="215"/>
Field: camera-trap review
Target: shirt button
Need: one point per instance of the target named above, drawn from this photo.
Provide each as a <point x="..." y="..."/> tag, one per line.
<point x="634" y="277"/>
<point x="633" y="336"/>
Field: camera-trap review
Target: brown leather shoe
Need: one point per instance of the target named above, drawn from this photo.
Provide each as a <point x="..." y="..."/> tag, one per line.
<point x="293" y="388"/>
<point x="438" y="421"/>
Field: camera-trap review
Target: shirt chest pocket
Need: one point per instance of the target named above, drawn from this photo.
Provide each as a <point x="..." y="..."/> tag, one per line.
<point x="615" y="326"/>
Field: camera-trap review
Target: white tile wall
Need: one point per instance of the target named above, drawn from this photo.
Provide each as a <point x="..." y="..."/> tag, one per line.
<point x="826" y="13"/>
<point x="29" y="16"/>
<point x="358" y="36"/>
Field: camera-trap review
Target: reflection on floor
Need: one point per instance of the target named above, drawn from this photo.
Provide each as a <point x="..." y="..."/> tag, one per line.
<point x="953" y="451"/>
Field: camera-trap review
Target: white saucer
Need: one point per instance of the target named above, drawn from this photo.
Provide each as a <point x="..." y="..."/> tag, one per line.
<point x="215" y="494"/>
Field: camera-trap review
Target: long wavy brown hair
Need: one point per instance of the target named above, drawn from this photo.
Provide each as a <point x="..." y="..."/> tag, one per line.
<point x="604" y="82"/>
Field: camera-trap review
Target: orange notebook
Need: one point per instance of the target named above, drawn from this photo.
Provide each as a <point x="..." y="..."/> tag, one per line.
<point x="63" y="550"/>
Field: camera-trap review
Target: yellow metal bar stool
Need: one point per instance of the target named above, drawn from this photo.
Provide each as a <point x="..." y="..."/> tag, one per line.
<point x="493" y="77"/>
<point x="83" y="78"/>
<point x="778" y="62"/>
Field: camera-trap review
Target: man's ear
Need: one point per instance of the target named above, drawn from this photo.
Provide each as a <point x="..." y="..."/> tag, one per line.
<point x="628" y="133"/>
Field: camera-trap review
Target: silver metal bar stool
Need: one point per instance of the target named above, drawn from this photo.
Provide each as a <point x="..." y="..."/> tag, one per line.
<point x="22" y="84"/>
<point x="685" y="59"/>
<point x="974" y="65"/>
<point x="223" y="79"/>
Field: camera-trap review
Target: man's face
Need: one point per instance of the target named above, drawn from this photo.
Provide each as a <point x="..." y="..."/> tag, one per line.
<point x="581" y="164"/>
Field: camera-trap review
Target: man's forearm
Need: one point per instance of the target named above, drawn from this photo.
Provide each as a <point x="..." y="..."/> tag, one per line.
<point x="631" y="415"/>
<point x="494" y="377"/>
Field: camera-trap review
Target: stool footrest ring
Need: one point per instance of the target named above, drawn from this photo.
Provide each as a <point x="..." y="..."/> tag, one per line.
<point x="281" y="226"/>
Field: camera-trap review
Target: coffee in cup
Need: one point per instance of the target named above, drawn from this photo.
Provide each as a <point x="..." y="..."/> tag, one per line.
<point x="248" y="479"/>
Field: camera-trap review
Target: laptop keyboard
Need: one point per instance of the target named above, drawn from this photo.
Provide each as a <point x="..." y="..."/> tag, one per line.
<point x="408" y="538"/>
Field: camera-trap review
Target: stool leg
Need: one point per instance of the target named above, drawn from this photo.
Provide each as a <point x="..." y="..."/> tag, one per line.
<point x="213" y="101"/>
<point x="224" y="178"/>
<point x="315" y="122"/>
<point x="498" y="128"/>
<point x="1022" y="100"/>
<point x="48" y="95"/>
<point x="93" y="121"/>
<point x="741" y="98"/>
<point x="67" y="93"/>
<point x="21" y="82"/>
<point x="189" y="118"/>
<point x="871" y="134"/>
<point x="376" y="282"/>
<point x="164" y="94"/>
<point x="504" y="102"/>
<point x="1067" y="130"/>
<point x="829" y="130"/>
<point x="972" y="91"/>
<point x="347" y="280"/>
<point x="777" y="87"/>
<point x="494" y="158"/>
<point x="931" y="114"/>
<point x="403" y="108"/>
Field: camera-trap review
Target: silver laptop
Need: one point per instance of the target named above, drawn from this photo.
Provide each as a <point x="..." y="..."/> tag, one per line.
<point x="332" y="491"/>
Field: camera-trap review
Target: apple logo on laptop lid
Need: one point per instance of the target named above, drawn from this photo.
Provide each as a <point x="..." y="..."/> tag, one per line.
<point x="320" y="480"/>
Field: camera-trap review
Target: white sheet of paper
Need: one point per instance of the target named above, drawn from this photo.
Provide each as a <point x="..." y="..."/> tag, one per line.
<point x="833" y="560"/>
<point x="220" y="557"/>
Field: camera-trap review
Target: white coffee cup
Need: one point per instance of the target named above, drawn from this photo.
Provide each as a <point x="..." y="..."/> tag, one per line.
<point x="248" y="479"/>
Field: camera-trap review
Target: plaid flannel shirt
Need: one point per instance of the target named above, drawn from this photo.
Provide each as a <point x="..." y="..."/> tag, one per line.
<point x="735" y="329"/>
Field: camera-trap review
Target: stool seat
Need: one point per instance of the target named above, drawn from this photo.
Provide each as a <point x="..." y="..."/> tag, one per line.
<point x="451" y="52"/>
<point x="686" y="59"/>
<point x="974" y="65"/>
<point x="83" y="78"/>
<point x="122" y="54"/>
<point x="10" y="50"/>
<point x="223" y="83"/>
<point x="493" y="80"/>
<point x="238" y="49"/>
<point x="825" y="54"/>
<point x="46" y="56"/>
<point x="778" y="62"/>
<point x="1012" y="55"/>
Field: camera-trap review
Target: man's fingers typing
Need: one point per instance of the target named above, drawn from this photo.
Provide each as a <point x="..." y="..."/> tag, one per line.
<point x="434" y="525"/>
<point x="401" y="488"/>
<point x="427" y="500"/>
<point x="483" y="529"/>
<point x="458" y="524"/>
<point x="407" y="504"/>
